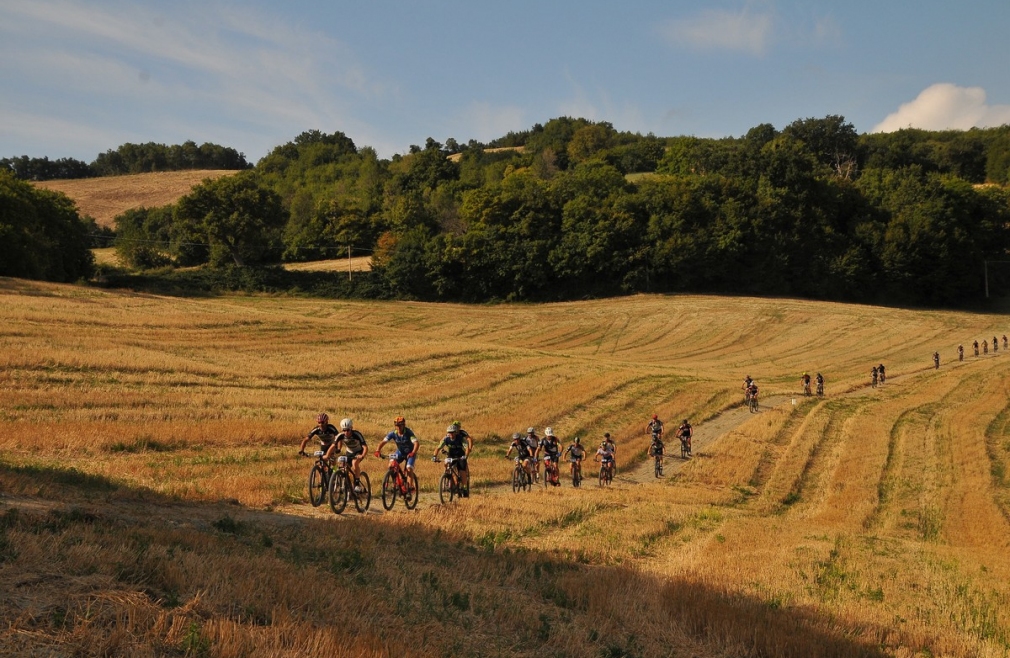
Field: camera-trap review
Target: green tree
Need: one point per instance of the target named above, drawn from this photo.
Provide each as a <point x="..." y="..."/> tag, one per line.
<point x="240" y="220"/>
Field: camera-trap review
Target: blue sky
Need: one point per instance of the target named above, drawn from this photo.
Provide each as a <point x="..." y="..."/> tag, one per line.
<point x="78" y="78"/>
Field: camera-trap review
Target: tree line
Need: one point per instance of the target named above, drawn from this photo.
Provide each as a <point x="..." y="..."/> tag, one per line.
<point x="128" y="159"/>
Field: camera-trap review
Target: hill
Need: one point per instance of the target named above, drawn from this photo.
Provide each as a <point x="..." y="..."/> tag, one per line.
<point x="104" y="198"/>
<point x="153" y="501"/>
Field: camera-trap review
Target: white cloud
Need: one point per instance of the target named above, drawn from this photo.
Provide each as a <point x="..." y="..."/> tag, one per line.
<point x="945" y="106"/>
<point x="717" y="29"/>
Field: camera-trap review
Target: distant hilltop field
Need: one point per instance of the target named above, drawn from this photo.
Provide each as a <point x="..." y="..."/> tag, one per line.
<point x="106" y="197"/>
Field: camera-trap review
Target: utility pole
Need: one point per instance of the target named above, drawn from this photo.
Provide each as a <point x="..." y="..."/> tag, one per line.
<point x="349" y="267"/>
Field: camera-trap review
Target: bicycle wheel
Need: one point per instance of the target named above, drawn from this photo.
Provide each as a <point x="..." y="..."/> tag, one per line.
<point x="658" y="469"/>
<point x="389" y="490"/>
<point x="517" y="479"/>
<point x="339" y="485"/>
<point x="603" y="475"/>
<point x="363" y="498"/>
<point x="445" y="489"/>
<point x="410" y="498"/>
<point x="317" y="485"/>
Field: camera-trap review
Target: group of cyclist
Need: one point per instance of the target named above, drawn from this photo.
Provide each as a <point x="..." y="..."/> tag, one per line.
<point x="819" y="379"/>
<point x="985" y="347"/>
<point x="457" y="444"/>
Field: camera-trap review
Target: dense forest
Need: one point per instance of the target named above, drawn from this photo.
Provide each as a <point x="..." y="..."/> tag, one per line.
<point x="574" y="208"/>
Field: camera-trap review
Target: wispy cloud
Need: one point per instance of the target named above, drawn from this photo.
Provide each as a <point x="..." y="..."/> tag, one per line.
<point x="744" y="31"/>
<point x="486" y="121"/>
<point x="946" y="106"/>
<point x="228" y="64"/>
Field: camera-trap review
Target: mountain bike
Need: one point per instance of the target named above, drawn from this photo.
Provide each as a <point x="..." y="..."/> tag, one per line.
<point x="658" y="466"/>
<point x="606" y="473"/>
<point x="753" y="404"/>
<point x="398" y="482"/>
<point x="806" y="388"/>
<point x="551" y="474"/>
<point x="450" y="484"/>
<point x="685" y="447"/>
<point x="319" y="478"/>
<point x="820" y="389"/>
<point x="342" y="488"/>
<point x="521" y="480"/>
<point x="576" y="473"/>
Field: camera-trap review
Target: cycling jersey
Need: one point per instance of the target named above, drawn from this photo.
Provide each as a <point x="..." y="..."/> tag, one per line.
<point x="576" y="452"/>
<point x="532" y="440"/>
<point x="605" y="454"/>
<point x="656" y="426"/>
<point x="456" y="446"/>
<point x="354" y="442"/>
<point x="656" y="448"/>
<point x="325" y="434"/>
<point x="405" y="443"/>
<point x="686" y="431"/>
<point x="550" y="448"/>
<point x="522" y="449"/>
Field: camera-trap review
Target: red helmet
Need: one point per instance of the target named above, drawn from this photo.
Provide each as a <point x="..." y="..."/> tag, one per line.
<point x="655" y="417"/>
<point x="322" y="419"/>
<point x="399" y="420"/>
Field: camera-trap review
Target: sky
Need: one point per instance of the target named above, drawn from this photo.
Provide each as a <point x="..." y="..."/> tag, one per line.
<point x="78" y="78"/>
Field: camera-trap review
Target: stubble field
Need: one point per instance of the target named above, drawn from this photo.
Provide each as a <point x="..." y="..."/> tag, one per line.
<point x="153" y="502"/>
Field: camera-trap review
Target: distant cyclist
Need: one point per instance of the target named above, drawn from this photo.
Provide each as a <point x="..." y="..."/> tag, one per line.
<point x="609" y="442"/>
<point x="1005" y="346"/>
<point x="820" y="384"/>
<point x="324" y="432"/>
<point x="534" y="442"/>
<point x="995" y="345"/>
<point x="551" y="450"/>
<point x="354" y="445"/>
<point x="605" y="455"/>
<point x="960" y="352"/>
<point x="752" y="396"/>
<point x="575" y="453"/>
<point x="458" y="445"/>
<point x="873" y="377"/>
<point x="985" y="347"/>
<point x="747" y="381"/>
<point x="685" y="433"/>
<point x="406" y="443"/>
<point x="657" y="448"/>
<point x="975" y="347"/>
<point x="523" y="452"/>
<point x="936" y="360"/>
<point x="805" y="380"/>
<point x="880" y="371"/>
<point x="655" y="426"/>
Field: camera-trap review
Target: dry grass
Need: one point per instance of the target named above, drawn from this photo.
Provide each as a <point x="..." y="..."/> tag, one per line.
<point x="872" y="522"/>
<point x="356" y="264"/>
<point x="104" y="198"/>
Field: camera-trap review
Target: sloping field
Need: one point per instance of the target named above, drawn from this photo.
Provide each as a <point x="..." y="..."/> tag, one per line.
<point x="104" y="198"/>
<point x="153" y="502"/>
<point x="356" y="264"/>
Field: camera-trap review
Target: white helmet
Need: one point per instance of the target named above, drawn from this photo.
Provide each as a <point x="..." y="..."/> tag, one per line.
<point x="548" y="432"/>
<point x="531" y="430"/>
<point x="452" y="428"/>
<point x="346" y="424"/>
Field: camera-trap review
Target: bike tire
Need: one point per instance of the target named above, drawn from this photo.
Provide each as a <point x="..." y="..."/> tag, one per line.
<point x="410" y="500"/>
<point x="658" y="468"/>
<point x="317" y="485"/>
<point x="339" y="484"/>
<point x="389" y="490"/>
<point x="517" y="481"/>
<point x="603" y="476"/>
<point x="364" y="499"/>
<point x="445" y="489"/>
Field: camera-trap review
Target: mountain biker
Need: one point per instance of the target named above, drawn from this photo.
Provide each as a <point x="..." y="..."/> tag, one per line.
<point x="752" y="393"/>
<point x="523" y="452"/>
<point x="605" y="455"/>
<point x="1005" y="346"/>
<point x="995" y="345"/>
<point x="406" y="443"/>
<point x="685" y="432"/>
<point x="655" y="426"/>
<point x="612" y="447"/>
<point x="323" y="431"/>
<point x="880" y="372"/>
<point x="551" y="449"/>
<point x="656" y="448"/>
<point x="458" y="445"/>
<point x="960" y="352"/>
<point x="820" y="384"/>
<point x="534" y="442"/>
<point x="355" y="447"/>
<point x="936" y="360"/>
<point x="805" y="380"/>
<point x="747" y="381"/>
<point x="975" y="347"/>
<point x="985" y="347"/>
<point x="873" y="377"/>
<point x="576" y="453"/>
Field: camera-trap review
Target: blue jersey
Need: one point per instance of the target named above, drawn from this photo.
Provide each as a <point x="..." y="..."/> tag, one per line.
<point x="405" y="442"/>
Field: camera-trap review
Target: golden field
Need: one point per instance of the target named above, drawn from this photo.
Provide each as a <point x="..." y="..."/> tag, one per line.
<point x="153" y="502"/>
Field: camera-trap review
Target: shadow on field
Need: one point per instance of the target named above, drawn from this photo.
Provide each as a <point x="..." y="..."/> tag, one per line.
<point x="91" y="562"/>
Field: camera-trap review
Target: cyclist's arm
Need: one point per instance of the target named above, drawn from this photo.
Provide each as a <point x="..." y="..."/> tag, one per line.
<point x="417" y="445"/>
<point x="469" y="445"/>
<point x="437" y="448"/>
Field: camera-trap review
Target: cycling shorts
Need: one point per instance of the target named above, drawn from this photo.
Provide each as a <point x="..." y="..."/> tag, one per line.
<point x="401" y="456"/>
<point x="351" y="454"/>
<point x="461" y="463"/>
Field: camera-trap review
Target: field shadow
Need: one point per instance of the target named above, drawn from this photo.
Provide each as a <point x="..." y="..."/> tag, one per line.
<point x="485" y="599"/>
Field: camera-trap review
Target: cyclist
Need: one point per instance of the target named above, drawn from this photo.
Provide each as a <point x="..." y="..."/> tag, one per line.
<point x="657" y="448"/>
<point x="406" y="443"/>
<point x="323" y="431"/>
<point x="975" y="347"/>
<point x="576" y="453"/>
<point x="960" y="352"/>
<point x="936" y="360"/>
<point x="995" y="345"/>
<point x="458" y="445"/>
<point x="613" y="447"/>
<point x="523" y="452"/>
<point x="880" y="371"/>
<point x="533" y="441"/>
<point x="820" y="384"/>
<point x="685" y="432"/>
<point x="747" y="381"/>
<point x="873" y="377"/>
<point x="551" y="448"/>
<point x="752" y="393"/>
<point x="605" y="455"/>
<point x="985" y="347"/>
<point x="805" y="380"/>
<point x="1005" y="345"/>
<point x="355" y="447"/>
<point x="655" y="426"/>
